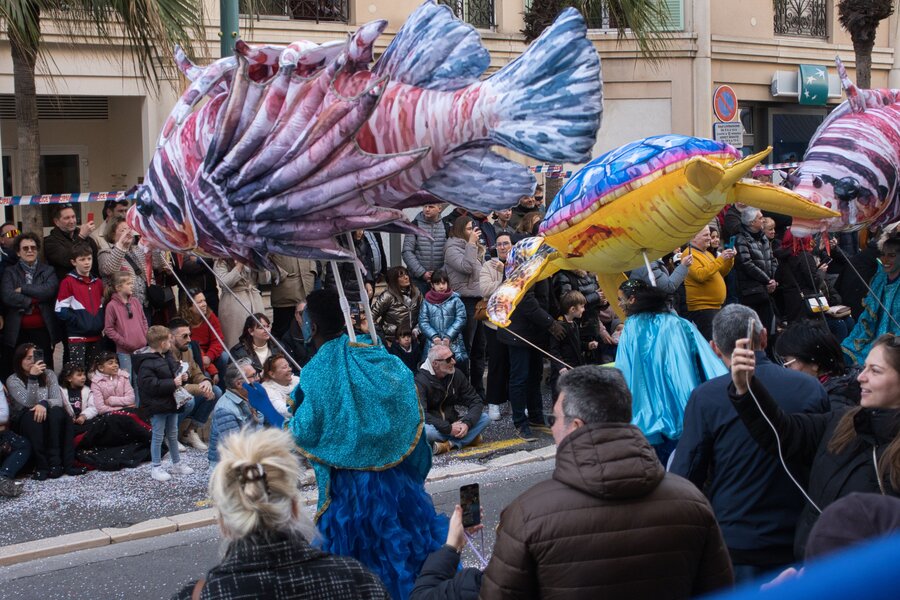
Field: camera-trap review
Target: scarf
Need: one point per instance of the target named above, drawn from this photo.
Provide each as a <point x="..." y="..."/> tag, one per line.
<point x="30" y="270"/>
<point x="437" y="297"/>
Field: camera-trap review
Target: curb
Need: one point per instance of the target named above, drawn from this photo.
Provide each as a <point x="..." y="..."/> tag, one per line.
<point x="96" y="538"/>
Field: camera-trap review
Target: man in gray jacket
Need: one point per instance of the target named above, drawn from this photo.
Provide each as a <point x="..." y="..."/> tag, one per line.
<point x="424" y="256"/>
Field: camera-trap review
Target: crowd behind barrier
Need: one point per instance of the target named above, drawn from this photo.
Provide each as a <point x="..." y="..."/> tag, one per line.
<point x="149" y="367"/>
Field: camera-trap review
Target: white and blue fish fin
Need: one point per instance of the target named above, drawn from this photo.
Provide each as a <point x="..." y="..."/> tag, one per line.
<point x="855" y="98"/>
<point x="434" y="50"/>
<point x="550" y="99"/>
<point x="481" y="180"/>
<point x="530" y="261"/>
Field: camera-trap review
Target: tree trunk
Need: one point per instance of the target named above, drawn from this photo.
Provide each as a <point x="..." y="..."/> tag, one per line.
<point x="863" y="52"/>
<point x="24" y="55"/>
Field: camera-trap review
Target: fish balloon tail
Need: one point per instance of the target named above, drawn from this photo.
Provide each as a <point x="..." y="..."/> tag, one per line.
<point x="550" y="98"/>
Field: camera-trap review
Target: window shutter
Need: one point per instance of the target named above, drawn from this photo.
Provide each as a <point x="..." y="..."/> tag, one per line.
<point x="675" y="19"/>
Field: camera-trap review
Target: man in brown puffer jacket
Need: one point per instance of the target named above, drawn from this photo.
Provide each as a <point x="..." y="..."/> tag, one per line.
<point x="611" y="523"/>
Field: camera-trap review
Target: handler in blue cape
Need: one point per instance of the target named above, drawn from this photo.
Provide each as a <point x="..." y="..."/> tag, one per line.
<point x="663" y="358"/>
<point x="359" y="422"/>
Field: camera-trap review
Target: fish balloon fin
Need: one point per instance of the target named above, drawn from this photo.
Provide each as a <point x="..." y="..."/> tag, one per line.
<point x="703" y="174"/>
<point x="481" y="180"/>
<point x="530" y="261"/>
<point x="739" y="169"/>
<point x="774" y="198"/>
<point x="434" y="50"/>
<point x="856" y="99"/>
<point x="549" y="100"/>
<point x="609" y="283"/>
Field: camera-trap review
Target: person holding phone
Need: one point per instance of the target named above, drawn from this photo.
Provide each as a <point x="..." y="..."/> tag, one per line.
<point x="440" y="577"/>
<point x="704" y="284"/>
<point x="41" y="414"/>
<point x="28" y="292"/>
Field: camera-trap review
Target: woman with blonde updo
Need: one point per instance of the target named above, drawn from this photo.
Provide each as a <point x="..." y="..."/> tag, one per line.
<point x="255" y="489"/>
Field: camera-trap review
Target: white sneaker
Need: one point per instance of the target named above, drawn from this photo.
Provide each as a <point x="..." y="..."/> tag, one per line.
<point x="159" y="474"/>
<point x="181" y="469"/>
<point x="182" y="447"/>
<point x="494" y="412"/>
<point x="192" y="439"/>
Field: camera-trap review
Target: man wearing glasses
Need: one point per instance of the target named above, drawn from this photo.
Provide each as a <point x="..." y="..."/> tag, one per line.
<point x="28" y="291"/>
<point x="63" y="237"/>
<point x="441" y="389"/>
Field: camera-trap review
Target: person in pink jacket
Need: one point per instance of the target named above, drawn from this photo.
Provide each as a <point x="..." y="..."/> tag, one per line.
<point x="126" y="323"/>
<point x="110" y="385"/>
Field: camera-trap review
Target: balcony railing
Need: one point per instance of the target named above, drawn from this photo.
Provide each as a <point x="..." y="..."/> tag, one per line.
<point x="805" y="18"/>
<point x="304" y="10"/>
<point x="478" y="13"/>
<point x="597" y="15"/>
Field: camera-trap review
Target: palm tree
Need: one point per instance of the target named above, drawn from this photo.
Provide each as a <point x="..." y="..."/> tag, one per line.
<point x="644" y="19"/>
<point x="860" y="18"/>
<point x="150" y="29"/>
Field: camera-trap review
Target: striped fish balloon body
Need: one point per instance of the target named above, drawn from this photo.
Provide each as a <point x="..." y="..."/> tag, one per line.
<point x="852" y="164"/>
<point x="279" y="149"/>
<point x="646" y="197"/>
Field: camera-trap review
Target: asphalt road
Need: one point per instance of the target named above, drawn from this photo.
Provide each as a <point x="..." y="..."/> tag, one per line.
<point x="156" y="568"/>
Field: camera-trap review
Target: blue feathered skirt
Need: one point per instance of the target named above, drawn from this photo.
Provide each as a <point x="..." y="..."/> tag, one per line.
<point x="384" y="519"/>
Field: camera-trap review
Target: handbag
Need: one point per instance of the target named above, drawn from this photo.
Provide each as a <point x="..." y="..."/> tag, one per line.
<point x="815" y="303"/>
<point x="481" y="310"/>
<point x="159" y="296"/>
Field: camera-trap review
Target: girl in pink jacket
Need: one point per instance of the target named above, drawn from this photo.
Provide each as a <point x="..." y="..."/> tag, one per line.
<point x="110" y="385"/>
<point x="126" y="323"/>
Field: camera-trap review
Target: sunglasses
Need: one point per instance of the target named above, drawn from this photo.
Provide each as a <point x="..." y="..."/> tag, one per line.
<point x="128" y="310"/>
<point x="11" y="233"/>
<point x="28" y="248"/>
<point x="447" y="360"/>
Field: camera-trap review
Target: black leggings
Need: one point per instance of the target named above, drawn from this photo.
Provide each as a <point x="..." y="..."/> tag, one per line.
<point x="51" y="440"/>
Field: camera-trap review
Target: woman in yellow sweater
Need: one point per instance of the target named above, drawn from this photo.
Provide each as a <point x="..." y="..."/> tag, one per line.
<point x="704" y="285"/>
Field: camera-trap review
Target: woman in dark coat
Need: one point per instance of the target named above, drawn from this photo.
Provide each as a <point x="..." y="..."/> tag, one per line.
<point x="255" y="487"/>
<point x="28" y="292"/>
<point x="848" y="450"/>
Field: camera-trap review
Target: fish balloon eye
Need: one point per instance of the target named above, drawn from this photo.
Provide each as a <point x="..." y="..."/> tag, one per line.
<point x="817" y="182"/>
<point x="847" y="189"/>
<point x="144" y="202"/>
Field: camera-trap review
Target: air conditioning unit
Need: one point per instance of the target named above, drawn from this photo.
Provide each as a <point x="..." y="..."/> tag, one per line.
<point x="786" y="84"/>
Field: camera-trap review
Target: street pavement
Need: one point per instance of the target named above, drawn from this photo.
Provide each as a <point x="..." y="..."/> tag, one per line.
<point x="101" y="500"/>
<point x="157" y="567"/>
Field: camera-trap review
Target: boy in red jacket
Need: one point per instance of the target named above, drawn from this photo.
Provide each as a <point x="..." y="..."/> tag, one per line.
<point x="79" y="307"/>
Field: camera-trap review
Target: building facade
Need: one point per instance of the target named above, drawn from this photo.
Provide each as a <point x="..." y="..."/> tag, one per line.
<point x="99" y="123"/>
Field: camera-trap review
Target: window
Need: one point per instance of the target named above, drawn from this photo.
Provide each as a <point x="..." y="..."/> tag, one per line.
<point x="305" y="10"/>
<point x="478" y="13"/>
<point x="805" y="18"/>
<point x="598" y="15"/>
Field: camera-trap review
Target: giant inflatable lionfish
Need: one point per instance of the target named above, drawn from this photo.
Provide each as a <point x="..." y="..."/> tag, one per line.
<point x="297" y="144"/>
<point x="852" y="164"/>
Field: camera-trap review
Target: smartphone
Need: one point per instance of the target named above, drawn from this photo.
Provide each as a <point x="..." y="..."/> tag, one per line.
<point x="730" y="243"/>
<point x="751" y="332"/>
<point x="90" y="217"/>
<point x="38" y="355"/>
<point x="470" y="501"/>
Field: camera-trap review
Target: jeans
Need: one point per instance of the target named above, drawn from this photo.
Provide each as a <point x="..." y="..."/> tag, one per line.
<point x="164" y="425"/>
<point x="525" y="370"/>
<point x="498" y="368"/>
<point x="473" y="336"/>
<point x="17" y="450"/>
<point x="433" y="435"/>
<point x="199" y="408"/>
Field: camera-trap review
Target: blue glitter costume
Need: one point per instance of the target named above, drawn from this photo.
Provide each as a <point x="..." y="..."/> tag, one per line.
<point x="358" y="420"/>
<point x="874" y="321"/>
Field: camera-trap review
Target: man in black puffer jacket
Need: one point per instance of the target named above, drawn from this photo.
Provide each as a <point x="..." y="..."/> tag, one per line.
<point x="756" y="266"/>
<point x="441" y="388"/>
